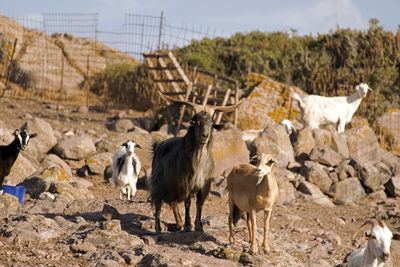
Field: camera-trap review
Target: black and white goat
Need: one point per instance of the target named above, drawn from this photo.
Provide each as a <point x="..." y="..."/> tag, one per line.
<point x="125" y="169"/>
<point x="9" y="153"/>
<point x="182" y="166"/>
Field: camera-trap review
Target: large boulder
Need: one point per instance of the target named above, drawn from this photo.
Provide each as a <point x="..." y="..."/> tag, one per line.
<point x="99" y="162"/>
<point x="325" y="155"/>
<point x="316" y="174"/>
<point x="267" y="104"/>
<point x="304" y="144"/>
<point x="75" y="147"/>
<point x="287" y="192"/>
<point x="228" y="150"/>
<point x="348" y="190"/>
<point x="274" y="140"/>
<point x="363" y="144"/>
<point x="339" y="144"/>
<point x="122" y="126"/>
<point x="52" y="160"/>
<point x="45" y="139"/>
<point x="311" y="192"/>
<point x="372" y="176"/>
<point x="23" y="167"/>
<point x="392" y="161"/>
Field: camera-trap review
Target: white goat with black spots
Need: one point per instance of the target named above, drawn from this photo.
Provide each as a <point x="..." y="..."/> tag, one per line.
<point x="125" y="169"/>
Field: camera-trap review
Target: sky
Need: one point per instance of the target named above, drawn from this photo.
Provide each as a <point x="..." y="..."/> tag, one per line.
<point x="226" y="17"/>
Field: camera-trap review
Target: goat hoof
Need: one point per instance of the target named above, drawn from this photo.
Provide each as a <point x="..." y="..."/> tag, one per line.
<point x="179" y="227"/>
<point x="266" y="249"/>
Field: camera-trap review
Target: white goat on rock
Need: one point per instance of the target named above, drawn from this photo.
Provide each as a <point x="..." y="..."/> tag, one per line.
<point x="319" y="110"/>
<point x="125" y="169"/>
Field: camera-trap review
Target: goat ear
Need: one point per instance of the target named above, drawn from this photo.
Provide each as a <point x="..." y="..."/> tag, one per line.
<point x="33" y="135"/>
<point x="192" y="123"/>
<point x="16" y="133"/>
<point x="125" y="144"/>
<point x="396" y="236"/>
<point x="217" y="126"/>
<point x="138" y="146"/>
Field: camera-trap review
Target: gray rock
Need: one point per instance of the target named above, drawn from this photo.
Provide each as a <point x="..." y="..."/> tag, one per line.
<point x="362" y="144"/>
<point x="75" y="147"/>
<point x="52" y="160"/>
<point x="23" y="167"/>
<point x="287" y="192"/>
<point x="99" y="162"/>
<point x="339" y="144"/>
<point x="9" y="205"/>
<point x="109" y="212"/>
<point x="325" y="155"/>
<point x="392" y="187"/>
<point x="122" y="126"/>
<point x="322" y="137"/>
<point x="370" y="176"/>
<point x="348" y="190"/>
<point x="228" y="150"/>
<point x="304" y="144"/>
<point x="316" y="174"/>
<point x="45" y="139"/>
<point x="274" y="140"/>
<point x="390" y="160"/>
<point x="312" y="193"/>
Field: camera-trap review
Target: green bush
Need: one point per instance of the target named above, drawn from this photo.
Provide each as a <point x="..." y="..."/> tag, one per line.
<point x="124" y="84"/>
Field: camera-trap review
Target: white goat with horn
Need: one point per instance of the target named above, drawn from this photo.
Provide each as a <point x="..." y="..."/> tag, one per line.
<point x="377" y="251"/>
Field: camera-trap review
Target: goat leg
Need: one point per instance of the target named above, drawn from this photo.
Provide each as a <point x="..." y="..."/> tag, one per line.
<point x="157" y="217"/>
<point x="267" y="215"/>
<point x="231" y="233"/>
<point x="248" y="222"/>
<point x="253" y="219"/>
<point x="188" y="222"/>
<point x="178" y="219"/>
<point x="201" y="198"/>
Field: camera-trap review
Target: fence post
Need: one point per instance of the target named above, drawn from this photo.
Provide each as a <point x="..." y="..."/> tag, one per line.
<point x="8" y="74"/>
<point x="61" y="78"/>
<point x="160" y="33"/>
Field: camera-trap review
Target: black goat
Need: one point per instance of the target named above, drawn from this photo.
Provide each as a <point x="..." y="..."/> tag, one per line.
<point x="9" y="154"/>
<point x="182" y="166"/>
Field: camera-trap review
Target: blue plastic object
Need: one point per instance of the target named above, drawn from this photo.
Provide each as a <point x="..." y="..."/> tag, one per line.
<point x="17" y="191"/>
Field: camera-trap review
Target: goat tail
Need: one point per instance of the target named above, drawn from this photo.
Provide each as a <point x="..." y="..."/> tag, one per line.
<point x="295" y="96"/>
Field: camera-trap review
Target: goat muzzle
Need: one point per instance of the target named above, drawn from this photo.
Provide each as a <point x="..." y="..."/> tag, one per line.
<point x="385" y="256"/>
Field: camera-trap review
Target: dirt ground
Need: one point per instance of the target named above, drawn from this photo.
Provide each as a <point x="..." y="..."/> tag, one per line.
<point x="297" y="229"/>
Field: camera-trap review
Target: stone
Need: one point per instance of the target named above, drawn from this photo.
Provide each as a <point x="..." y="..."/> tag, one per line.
<point x="325" y="155"/>
<point x="363" y="144"/>
<point x="75" y="147"/>
<point x="311" y="192"/>
<point x="274" y="140"/>
<point x="23" y="167"/>
<point x="316" y="174"/>
<point x="122" y="126"/>
<point x="348" y="190"/>
<point x="287" y="192"/>
<point x="99" y="162"/>
<point x="304" y="144"/>
<point x="371" y="177"/>
<point x="339" y="144"/>
<point x="52" y="160"/>
<point x="45" y="139"/>
<point x="9" y="205"/>
<point x="228" y="150"/>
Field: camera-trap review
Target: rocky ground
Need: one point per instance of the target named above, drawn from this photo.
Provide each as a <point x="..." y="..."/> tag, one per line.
<point x="85" y="223"/>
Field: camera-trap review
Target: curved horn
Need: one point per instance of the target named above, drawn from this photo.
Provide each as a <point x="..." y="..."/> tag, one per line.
<point x="227" y="108"/>
<point x="197" y="108"/>
<point x="373" y="222"/>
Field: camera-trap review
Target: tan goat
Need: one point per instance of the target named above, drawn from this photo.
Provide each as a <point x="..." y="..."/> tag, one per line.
<point x="251" y="189"/>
